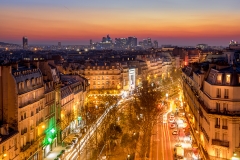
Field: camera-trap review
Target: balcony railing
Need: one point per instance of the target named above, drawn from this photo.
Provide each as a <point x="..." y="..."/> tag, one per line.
<point x="217" y="126"/>
<point x="208" y="110"/>
<point x="224" y="127"/>
<point x="220" y="143"/>
<point x="24" y="148"/>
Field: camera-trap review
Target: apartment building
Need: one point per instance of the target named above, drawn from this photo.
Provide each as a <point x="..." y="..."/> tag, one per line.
<point x="154" y="72"/>
<point x="34" y="98"/>
<point x="23" y="103"/>
<point x="51" y="79"/>
<point x="9" y="143"/>
<point x="211" y="94"/>
<point x="104" y="75"/>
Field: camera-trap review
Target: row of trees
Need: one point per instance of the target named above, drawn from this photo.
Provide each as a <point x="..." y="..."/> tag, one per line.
<point x="128" y="127"/>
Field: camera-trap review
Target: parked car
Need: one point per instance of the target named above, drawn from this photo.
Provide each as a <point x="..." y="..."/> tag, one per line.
<point x="171" y="120"/>
<point x="175" y="132"/>
<point x="173" y="125"/>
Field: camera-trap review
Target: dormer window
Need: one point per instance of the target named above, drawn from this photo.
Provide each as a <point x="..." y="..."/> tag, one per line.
<point x="28" y="83"/>
<point x="228" y="78"/>
<point x="219" y="78"/>
<point x="33" y="81"/>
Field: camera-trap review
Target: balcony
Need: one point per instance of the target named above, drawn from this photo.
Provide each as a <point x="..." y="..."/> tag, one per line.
<point x="220" y="143"/>
<point x="224" y="127"/>
<point x="24" y="148"/>
<point x="217" y="126"/>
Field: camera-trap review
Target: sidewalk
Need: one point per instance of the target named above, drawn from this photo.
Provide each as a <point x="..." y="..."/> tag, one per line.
<point x="53" y="154"/>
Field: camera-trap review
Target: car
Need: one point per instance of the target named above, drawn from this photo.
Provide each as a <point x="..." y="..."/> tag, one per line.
<point x="178" y="145"/>
<point x="171" y="120"/>
<point x="69" y="148"/>
<point x="175" y="132"/>
<point x="172" y="125"/>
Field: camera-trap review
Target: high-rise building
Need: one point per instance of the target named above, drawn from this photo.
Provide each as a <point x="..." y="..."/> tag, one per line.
<point x="155" y="44"/>
<point x="132" y="41"/>
<point x="145" y="42"/>
<point x="149" y="42"/>
<point x="59" y="45"/>
<point x="25" y="42"/>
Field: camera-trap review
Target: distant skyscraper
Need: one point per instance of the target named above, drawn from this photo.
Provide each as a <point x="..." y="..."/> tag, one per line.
<point x="132" y="41"/>
<point x="155" y="44"/>
<point x="145" y="42"/>
<point x="149" y="41"/>
<point x="59" y="45"/>
<point x="90" y="42"/>
<point x="25" y="42"/>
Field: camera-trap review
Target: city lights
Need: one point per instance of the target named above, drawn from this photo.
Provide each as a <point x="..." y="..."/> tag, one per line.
<point x="106" y="80"/>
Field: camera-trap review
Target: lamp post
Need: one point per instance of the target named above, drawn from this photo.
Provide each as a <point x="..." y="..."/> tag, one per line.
<point x="128" y="157"/>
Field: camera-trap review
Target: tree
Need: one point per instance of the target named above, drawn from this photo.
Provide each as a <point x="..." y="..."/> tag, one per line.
<point x="147" y="111"/>
<point x="65" y="120"/>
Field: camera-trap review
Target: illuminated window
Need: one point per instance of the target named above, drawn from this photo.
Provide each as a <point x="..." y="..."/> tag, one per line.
<point x="228" y="78"/>
<point x="219" y="78"/>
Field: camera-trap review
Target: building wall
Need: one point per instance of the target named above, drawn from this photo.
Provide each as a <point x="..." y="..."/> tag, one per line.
<point x="218" y="130"/>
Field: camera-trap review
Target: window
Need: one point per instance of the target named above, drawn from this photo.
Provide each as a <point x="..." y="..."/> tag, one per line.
<point x="217" y="152"/>
<point x="218" y="107"/>
<point x="224" y="124"/>
<point x="33" y="81"/>
<point x="219" y="78"/>
<point x="15" y="143"/>
<point x="28" y="83"/>
<point x="218" y="93"/>
<point x="228" y="78"/>
<point x="217" y="123"/>
<point x="226" y="93"/>
<point x="19" y="86"/>
<point x="34" y="95"/>
<point x="225" y="137"/>
<point x="225" y="107"/>
<point x="217" y="135"/>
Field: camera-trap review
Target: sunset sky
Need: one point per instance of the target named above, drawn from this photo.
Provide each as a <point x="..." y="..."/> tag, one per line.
<point x="177" y="22"/>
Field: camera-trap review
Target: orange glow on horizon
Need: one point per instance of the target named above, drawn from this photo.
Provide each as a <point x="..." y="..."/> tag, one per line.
<point x="54" y="24"/>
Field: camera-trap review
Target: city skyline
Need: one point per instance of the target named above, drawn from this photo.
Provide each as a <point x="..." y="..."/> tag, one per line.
<point x="169" y="22"/>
